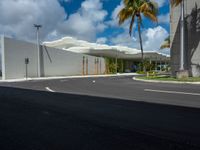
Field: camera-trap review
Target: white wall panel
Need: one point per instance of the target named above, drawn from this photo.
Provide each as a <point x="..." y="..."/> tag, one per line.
<point x="54" y="62"/>
<point x="14" y="56"/>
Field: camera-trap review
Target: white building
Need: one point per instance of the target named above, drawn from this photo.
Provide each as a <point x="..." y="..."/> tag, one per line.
<point x="102" y="50"/>
<point x="53" y="62"/>
<point x="128" y="56"/>
<point x="64" y="57"/>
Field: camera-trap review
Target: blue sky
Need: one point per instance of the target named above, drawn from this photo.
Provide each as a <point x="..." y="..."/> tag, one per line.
<point x="90" y="20"/>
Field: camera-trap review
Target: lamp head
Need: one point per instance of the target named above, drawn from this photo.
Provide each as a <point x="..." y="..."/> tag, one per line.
<point x="37" y="26"/>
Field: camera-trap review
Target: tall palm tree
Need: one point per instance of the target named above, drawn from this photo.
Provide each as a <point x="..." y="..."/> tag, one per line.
<point x="182" y="29"/>
<point x="166" y="43"/>
<point x="135" y="9"/>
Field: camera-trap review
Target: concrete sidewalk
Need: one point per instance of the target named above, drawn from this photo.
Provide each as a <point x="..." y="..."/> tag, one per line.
<point x="173" y="82"/>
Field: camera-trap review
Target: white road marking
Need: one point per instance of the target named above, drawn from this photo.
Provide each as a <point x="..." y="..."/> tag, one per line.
<point x="50" y="90"/>
<point x="172" y="92"/>
<point x="64" y="80"/>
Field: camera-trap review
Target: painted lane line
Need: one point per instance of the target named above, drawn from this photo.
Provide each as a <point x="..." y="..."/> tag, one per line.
<point x="172" y="92"/>
<point x="50" y="90"/>
<point x="64" y="80"/>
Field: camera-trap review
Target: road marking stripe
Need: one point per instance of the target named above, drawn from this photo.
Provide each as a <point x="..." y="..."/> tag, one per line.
<point x="172" y="92"/>
<point x="64" y="80"/>
<point x="50" y="90"/>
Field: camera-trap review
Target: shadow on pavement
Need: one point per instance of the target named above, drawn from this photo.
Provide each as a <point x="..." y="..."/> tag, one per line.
<point x="54" y="121"/>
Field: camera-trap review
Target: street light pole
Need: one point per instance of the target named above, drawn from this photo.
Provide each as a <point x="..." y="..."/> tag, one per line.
<point x="182" y="34"/>
<point x="38" y="46"/>
<point x="116" y="63"/>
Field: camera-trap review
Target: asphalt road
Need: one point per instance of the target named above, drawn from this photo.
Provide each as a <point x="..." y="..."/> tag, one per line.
<point x="99" y="113"/>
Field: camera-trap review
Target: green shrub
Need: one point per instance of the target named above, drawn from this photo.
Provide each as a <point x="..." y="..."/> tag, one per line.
<point x="140" y="72"/>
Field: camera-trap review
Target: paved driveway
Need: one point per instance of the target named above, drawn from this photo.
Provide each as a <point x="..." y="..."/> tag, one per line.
<point x="119" y="87"/>
<point x="99" y="114"/>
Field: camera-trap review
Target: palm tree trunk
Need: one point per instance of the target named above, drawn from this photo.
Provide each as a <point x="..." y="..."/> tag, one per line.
<point x="141" y="46"/>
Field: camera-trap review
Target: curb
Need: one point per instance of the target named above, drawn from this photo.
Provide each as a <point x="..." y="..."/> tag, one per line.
<point x="66" y="77"/>
<point x="173" y="82"/>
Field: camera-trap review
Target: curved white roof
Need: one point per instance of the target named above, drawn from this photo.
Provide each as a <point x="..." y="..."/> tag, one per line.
<point x="102" y="50"/>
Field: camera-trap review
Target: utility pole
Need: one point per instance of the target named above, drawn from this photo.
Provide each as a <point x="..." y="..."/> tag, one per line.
<point x="182" y="34"/>
<point x="37" y="26"/>
<point x="116" y="62"/>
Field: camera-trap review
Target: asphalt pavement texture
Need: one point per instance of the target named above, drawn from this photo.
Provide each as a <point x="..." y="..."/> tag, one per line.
<point x="99" y="114"/>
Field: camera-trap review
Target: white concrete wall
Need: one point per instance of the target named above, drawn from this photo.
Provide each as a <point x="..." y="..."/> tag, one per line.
<point x="13" y="59"/>
<point x="54" y="62"/>
<point x="192" y="37"/>
<point x="58" y="62"/>
<point x="99" y="67"/>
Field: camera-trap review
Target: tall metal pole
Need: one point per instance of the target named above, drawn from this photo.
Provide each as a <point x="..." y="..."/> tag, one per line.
<point x="38" y="46"/>
<point x="160" y="64"/>
<point x="156" y="65"/>
<point x="182" y="34"/>
<point x="86" y="65"/>
<point x="116" y="63"/>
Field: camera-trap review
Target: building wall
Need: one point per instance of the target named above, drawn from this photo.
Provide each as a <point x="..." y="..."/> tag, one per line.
<point x="13" y="59"/>
<point x="192" y="37"/>
<point x="54" y="62"/>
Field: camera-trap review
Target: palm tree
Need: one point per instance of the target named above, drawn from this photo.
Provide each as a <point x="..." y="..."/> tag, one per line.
<point x="182" y="29"/>
<point x="135" y="9"/>
<point x="166" y="43"/>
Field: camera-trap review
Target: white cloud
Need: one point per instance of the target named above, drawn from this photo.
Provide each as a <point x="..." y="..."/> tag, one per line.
<point x="87" y="22"/>
<point x="124" y="39"/>
<point x="114" y="17"/>
<point x="164" y="18"/>
<point x="102" y="40"/>
<point x="114" y="22"/>
<point x="18" y="16"/>
<point x="152" y="39"/>
<point x="161" y="2"/>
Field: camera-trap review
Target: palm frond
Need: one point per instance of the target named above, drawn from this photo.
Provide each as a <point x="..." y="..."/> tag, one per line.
<point x="166" y="43"/>
<point x="175" y="2"/>
<point x="144" y="7"/>
<point x="124" y="14"/>
<point x="126" y="2"/>
<point x="153" y="6"/>
<point x="151" y="16"/>
<point x="131" y="24"/>
<point x="150" y="10"/>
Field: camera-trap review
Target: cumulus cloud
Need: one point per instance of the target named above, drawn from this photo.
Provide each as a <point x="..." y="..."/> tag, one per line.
<point x="161" y="3"/>
<point x="113" y="22"/>
<point x="152" y="39"/>
<point x="18" y="16"/>
<point x="124" y="39"/>
<point x="101" y="40"/>
<point x="87" y="22"/>
<point x="114" y="19"/>
<point x="164" y="18"/>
